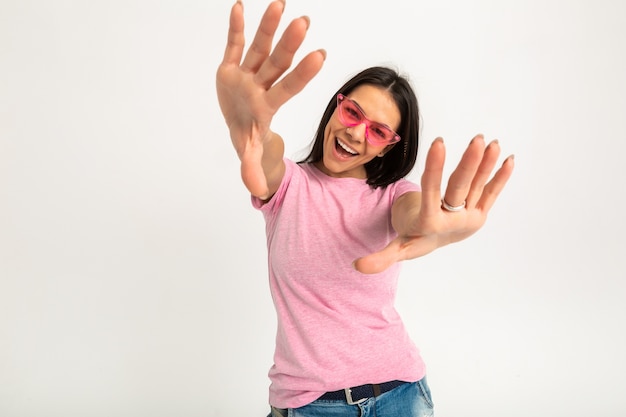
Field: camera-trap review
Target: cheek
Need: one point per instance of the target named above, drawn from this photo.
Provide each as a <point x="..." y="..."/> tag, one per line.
<point x="331" y="129"/>
<point x="327" y="133"/>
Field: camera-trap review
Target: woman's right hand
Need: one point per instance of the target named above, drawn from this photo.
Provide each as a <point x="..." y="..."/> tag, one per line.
<point x="249" y="92"/>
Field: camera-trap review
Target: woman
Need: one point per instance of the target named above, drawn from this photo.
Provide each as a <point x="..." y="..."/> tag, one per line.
<point x="346" y="211"/>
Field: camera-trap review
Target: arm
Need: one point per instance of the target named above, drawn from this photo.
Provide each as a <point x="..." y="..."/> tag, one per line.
<point x="249" y="92"/>
<point x="419" y="219"/>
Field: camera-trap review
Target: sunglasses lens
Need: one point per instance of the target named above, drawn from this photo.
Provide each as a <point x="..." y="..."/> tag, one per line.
<point x="380" y="134"/>
<point x="351" y="113"/>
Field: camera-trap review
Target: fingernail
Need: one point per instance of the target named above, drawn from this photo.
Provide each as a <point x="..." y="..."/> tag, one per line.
<point x="323" y="52"/>
<point x="308" y="21"/>
<point x="439" y="139"/>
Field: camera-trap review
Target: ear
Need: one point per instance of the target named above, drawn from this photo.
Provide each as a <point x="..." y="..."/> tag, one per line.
<point x="385" y="150"/>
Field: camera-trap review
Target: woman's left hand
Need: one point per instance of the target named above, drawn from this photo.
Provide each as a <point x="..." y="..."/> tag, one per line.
<point x="421" y="220"/>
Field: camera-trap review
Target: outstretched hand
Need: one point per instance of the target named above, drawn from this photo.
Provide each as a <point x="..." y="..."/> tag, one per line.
<point x="424" y="223"/>
<point x="249" y="92"/>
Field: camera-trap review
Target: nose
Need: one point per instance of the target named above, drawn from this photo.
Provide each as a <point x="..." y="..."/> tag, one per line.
<point x="358" y="132"/>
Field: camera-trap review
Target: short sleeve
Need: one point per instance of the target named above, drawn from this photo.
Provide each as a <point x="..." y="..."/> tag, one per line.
<point x="404" y="186"/>
<point x="276" y="200"/>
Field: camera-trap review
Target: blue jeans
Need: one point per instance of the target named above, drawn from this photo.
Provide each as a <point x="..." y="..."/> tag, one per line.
<point x="408" y="400"/>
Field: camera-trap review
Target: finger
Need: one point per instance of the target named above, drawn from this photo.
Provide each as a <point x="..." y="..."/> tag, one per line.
<point x="235" y="42"/>
<point x="461" y="178"/>
<point x="281" y="58"/>
<point x="431" y="178"/>
<point x="497" y="183"/>
<point x="261" y="46"/>
<point x="400" y="249"/>
<point x="490" y="157"/>
<point x="297" y="79"/>
<point x="379" y="261"/>
<point x="252" y="172"/>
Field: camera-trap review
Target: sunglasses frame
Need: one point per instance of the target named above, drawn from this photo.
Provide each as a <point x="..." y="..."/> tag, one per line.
<point x="342" y="100"/>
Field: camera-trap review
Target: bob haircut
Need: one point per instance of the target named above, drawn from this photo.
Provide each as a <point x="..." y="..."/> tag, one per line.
<point x="401" y="158"/>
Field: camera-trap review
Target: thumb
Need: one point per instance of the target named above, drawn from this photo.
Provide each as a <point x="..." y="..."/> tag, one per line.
<point x="379" y="261"/>
<point x="252" y="173"/>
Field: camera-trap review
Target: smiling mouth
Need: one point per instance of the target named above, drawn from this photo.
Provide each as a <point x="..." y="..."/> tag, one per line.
<point x="344" y="149"/>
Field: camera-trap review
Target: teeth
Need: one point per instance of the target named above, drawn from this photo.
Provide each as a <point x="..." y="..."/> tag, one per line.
<point x="346" y="148"/>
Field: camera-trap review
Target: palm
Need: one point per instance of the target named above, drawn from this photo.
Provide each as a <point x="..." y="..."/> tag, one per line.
<point x="434" y="227"/>
<point x="243" y="102"/>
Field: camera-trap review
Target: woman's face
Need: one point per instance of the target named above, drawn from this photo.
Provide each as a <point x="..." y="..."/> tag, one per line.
<point x="346" y="151"/>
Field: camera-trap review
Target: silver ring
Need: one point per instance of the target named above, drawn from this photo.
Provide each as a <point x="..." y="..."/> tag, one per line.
<point x="448" y="207"/>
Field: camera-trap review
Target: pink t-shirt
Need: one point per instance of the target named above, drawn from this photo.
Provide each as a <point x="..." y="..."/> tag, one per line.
<point x="337" y="328"/>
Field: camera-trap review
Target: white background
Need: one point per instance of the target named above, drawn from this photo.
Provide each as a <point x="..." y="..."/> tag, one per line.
<point x="132" y="266"/>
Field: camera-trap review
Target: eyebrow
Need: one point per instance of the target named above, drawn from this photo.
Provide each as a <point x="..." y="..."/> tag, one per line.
<point x="365" y="114"/>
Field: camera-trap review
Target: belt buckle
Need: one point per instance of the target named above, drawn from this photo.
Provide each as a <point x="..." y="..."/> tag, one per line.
<point x="349" y="399"/>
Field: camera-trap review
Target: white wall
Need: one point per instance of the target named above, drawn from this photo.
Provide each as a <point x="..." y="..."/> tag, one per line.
<point x="132" y="267"/>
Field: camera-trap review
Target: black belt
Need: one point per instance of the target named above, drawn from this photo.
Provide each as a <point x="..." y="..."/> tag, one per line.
<point x="358" y="394"/>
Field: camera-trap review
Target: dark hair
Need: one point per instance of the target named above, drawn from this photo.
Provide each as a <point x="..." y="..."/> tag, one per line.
<point x="400" y="159"/>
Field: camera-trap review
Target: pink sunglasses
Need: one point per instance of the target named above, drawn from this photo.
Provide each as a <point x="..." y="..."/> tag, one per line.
<point x="350" y="115"/>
